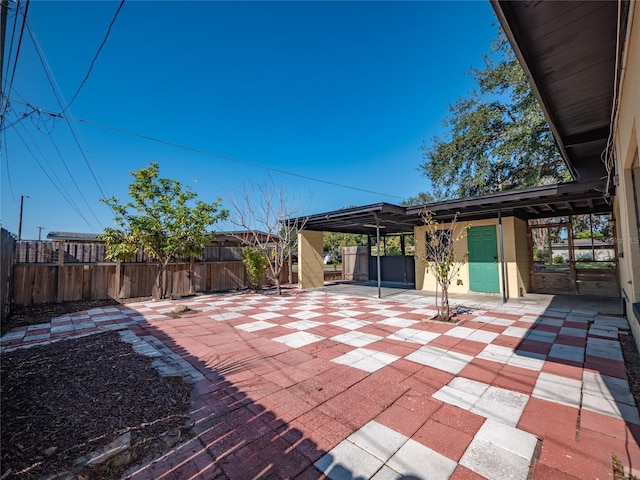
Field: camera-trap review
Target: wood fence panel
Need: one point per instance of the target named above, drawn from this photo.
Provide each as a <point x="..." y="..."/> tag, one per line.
<point x="231" y="276"/>
<point x="102" y="281"/>
<point x="7" y="255"/>
<point x="73" y="278"/>
<point x="34" y="284"/>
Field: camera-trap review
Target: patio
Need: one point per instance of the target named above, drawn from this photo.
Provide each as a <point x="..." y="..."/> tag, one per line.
<point x="337" y="383"/>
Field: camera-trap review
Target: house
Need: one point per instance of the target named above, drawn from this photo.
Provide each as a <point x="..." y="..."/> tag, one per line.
<point x="582" y="59"/>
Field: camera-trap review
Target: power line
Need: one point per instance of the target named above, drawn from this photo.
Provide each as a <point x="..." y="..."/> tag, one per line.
<point x="57" y="94"/>
<point x="15" y="61"/>
<point x="6" y="158"/>
<point x="222" y="157"/>
<point x="104" y="40"/>
<point x="53" y="183"/>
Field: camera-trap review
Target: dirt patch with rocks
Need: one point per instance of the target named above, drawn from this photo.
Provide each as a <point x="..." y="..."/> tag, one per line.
<point x="64" y="400"/>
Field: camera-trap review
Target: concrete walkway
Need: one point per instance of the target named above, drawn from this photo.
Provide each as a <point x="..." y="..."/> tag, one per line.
<point x="324" y="384"/>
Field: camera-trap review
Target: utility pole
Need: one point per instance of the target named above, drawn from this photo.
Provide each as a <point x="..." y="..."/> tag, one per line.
<point x="40" y="233"/>
<point x="20" y="216"/>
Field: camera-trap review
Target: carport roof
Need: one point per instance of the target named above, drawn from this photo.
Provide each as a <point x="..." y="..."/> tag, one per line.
<point x="569" y="52"/>
<point x="536" y="202"/>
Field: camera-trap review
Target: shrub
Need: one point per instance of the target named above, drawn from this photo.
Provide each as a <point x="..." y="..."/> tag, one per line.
<point x="256" y="264"/>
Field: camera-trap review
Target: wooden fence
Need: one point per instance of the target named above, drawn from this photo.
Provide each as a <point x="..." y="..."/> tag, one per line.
<point x="46" y="272"/>
<point x="7" y="248"/>
<point x="43" y="283"/>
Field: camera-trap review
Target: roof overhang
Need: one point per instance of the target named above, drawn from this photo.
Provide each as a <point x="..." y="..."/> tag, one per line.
<point x="537" y="202"/>
<point x="568" y="50"/>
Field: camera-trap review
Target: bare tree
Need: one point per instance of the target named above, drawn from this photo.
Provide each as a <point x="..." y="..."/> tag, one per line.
<point x="440" y="257"/>
<point x="268" y="221"/>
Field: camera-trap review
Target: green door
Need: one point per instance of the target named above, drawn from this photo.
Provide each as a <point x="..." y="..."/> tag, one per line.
<point x="483" y="259"/>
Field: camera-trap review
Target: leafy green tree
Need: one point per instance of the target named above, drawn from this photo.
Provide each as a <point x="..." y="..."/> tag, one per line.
<point x="256" y="264"/>
<point x="422" y="198"/>
<point x="497" y="139"/>
<point x="335" y="241"/>
<point x="162" y="219"/>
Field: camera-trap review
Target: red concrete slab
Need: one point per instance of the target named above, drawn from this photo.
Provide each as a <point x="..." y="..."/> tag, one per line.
<point x="445" y="342"/>
<point x="493" y="328"/>
<point x="461" y="420"/>
<point x="394" y="347"/>
<point x="544" y="472"/>
<point x="569" y="458"/>
<point x="400" y="419"/>
<point x="443" y="439"/>
<point x="612" y="368"/>
<point x="427" y="380"/>
<point x="571" y="340"/>
<point x="330" y="350"/>
<point x="469" y="347"/>
<point x="418" y="404"/>
<point x="549" y="420"/>
<point x="563" y="369"/>
<point x="535" y="346"/>
<point x="481" y="370"/>
<point x="516" y="379"/>
<point x="602" y="447"/>
<point x="463" y="473"/>
<point x="507" y="341"/>
<point x="613" y="427"/>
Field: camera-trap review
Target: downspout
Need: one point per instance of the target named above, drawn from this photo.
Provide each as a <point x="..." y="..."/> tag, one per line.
<point x="378" y="250"/>
<point x="503" y="266"/>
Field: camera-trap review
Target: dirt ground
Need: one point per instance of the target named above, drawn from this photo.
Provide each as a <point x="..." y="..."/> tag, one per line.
<point x="63" y="400"/>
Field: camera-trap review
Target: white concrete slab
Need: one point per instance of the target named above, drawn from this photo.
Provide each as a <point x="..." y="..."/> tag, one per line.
<point x="350" y="323"/>
<point x="255" y="326"/>
<point x="347" y="461"/>
<point x="491" y="452"/>
<point x="298" y="339"/>
<point x="414" y="459"/>
<point x="558" y="389"/>
<point x="567" y="352"/>
<point x="380" y="441"/>
<point x="302" y="325"/>
<point x="356" y="339"/>
<point x="398" y="322"/>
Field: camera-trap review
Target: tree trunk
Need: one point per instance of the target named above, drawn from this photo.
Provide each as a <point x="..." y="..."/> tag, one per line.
<point x="159" y="282"/>
<point x="445" y="303"/>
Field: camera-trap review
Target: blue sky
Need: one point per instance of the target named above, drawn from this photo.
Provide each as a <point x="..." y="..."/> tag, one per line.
<point x="344" y="92"/>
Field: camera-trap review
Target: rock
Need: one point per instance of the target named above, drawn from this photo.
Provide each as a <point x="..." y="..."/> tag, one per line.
<point x="171" y="438"/>
<point x="115" y="453"/>
<point x="50" y="451"/>
<point x="181" y="309"/>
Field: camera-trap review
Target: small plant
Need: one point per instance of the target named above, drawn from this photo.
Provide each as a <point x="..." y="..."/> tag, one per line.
<point x="440" y="258"/>
<point x="558" y="259"/>
<point x="256" y="264"/>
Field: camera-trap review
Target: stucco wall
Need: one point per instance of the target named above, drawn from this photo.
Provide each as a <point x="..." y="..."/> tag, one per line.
<point x="310" y="270"/>
<point x="627" y="139"/>
<point x="516" y="259"/>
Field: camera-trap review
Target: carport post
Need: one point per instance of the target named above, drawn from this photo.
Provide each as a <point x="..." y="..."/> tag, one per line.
<point x="502" y="265"/>
<point x="378" y="250"/>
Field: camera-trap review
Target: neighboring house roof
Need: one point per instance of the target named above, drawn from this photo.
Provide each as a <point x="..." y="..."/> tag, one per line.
<point x="73" y="237"/>
<point x="228" y="236"/>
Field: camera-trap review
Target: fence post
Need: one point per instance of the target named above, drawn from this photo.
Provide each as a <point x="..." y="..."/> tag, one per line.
<point x="60" y="292"/>
<point x="192" y="275"/>
<point x="117" y="286"/>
